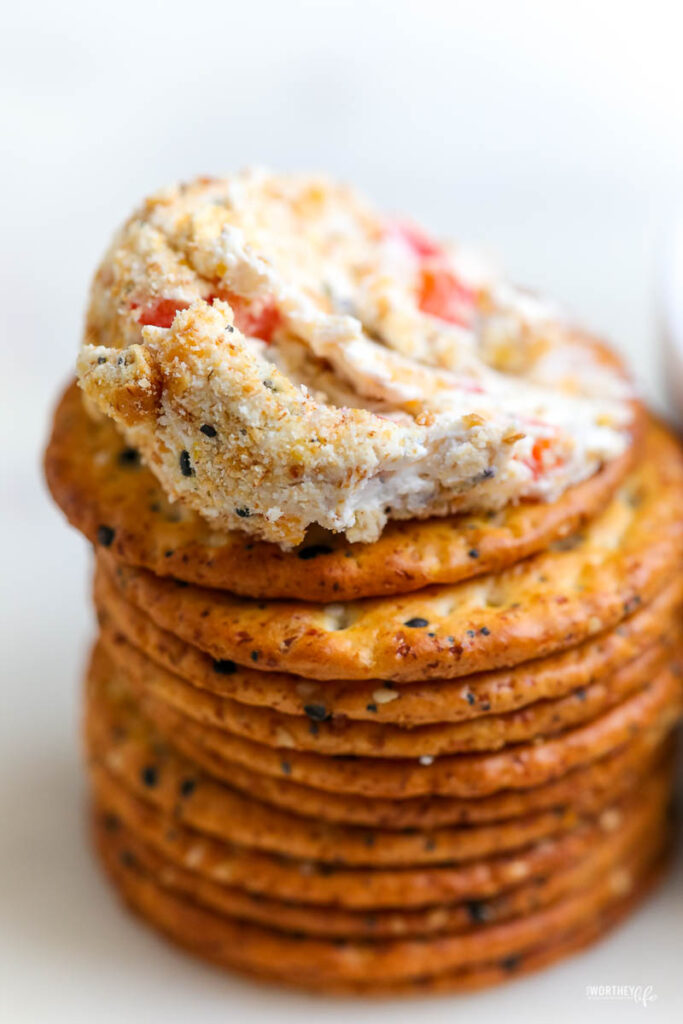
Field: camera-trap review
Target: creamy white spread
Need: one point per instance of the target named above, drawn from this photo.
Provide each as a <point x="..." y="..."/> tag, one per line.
<point x="283" y="356"/>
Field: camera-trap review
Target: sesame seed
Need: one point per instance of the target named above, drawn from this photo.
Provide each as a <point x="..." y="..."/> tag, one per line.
<point x="149" y="776"/>
<point x="384" y="696"/>
<point x="105" y="535"/>
<point x="317" y="712"/>
<point x="186" y="467"/>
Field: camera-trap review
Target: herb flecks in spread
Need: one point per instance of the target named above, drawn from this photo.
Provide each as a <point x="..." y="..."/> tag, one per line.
<point x="283" y="356"/>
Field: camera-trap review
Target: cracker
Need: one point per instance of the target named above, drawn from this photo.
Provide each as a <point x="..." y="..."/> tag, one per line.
<point x="551" y="601"/>
<point x="523" y="766"/>
<point x="308" y="881"/>
<point x="607" y="778"/>
<point x="258" y="948"/>
<point x="627" y="844"/>
<point x="442" y="701"/>
<point x="183" y="923"/>
<point x="370" y="739"/>
<point x="118" y="741"/>
<point x="97" y="480"/>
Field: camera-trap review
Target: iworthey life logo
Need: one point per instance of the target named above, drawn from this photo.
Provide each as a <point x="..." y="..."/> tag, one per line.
<point x="643" y="995"/>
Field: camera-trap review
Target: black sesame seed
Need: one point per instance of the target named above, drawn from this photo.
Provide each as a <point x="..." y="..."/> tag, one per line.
<point x="478" y="912"/>
<point x="169" y="554"/>
<point x="314" y="729"/>
<point x="243" y="513"/>
<point x="485" y="631"/>
<point x="254" y="655"/>
<point x="313" y="550"/>
<point x="101" y="359"/>
<point x="581" y="693"/>
<point x="187" y="787"/>
<point x="224" y="667"/>
<point x="129" y="457"/>
<point x="510" y="963"/>
<point x="318" y="712"/>
<point x="269" y="384"/>
<point x="105" y="535"/>
<point x="371" y="707"/>
<point x="470" y="698"/>
<point x="485" y="705"/>
<point x="286" y="767"/>
<point x="208" y="430"/>
<point x="229" y="328"/>
<point x="149" y="776"/>
<point x="471" y="632"/>
<point x="186" y="467"/>
<point x="416" y="623"/>
<point x="473" y="553"/>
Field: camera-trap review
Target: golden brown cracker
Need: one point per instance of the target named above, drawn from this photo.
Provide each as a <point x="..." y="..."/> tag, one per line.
<point x="625" y="844"/>
<point x="547" y="603"/>
<point x="359" y="887"/>
<point x="118" y="741"/>
<point x="333" y="738"/>
<point x="108" y="495"/>
<point x="386" y="960"/>
<point x="495" y="692"/>
<point x="461" y="775"/>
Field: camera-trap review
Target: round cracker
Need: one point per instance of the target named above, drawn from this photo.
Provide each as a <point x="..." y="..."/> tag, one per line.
<point x="495" y="692"/>
<point x="194" y="929"/>
<point x="97" y="481"/>
<point x="551" y="601"/>
<point x="361" y="888"/>
<point x="523" y="766"/>
<point x="607" y="778"/>
<point x="370" y="739"/>
<point x="626" y="845"/>
<point x="257" y="947"/>
<point x="118" y="742"/>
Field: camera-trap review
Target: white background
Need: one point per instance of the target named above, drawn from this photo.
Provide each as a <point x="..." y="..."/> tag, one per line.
<point x="550" y="133"/>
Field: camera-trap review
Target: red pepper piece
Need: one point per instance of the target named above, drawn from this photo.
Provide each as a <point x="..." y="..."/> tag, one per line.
<point x="441" y="294"/>
<point x="159" y="312"/>
<point x="259" y="319"/>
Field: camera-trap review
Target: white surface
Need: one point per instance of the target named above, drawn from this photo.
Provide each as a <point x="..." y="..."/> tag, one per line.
<point x="549" y="132"/>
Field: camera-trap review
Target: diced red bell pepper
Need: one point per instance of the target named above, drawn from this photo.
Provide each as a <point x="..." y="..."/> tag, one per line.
<point x="255" y="320"/>
<point x="441" y="294"/>
<point x="538" y="462"/>
<point x="421" y="244"/>
<point x="159" y="312"/>
<point x="258" y="319"/>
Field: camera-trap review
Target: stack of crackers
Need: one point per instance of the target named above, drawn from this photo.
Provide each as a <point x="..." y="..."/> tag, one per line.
<point x="428" y="763"/>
